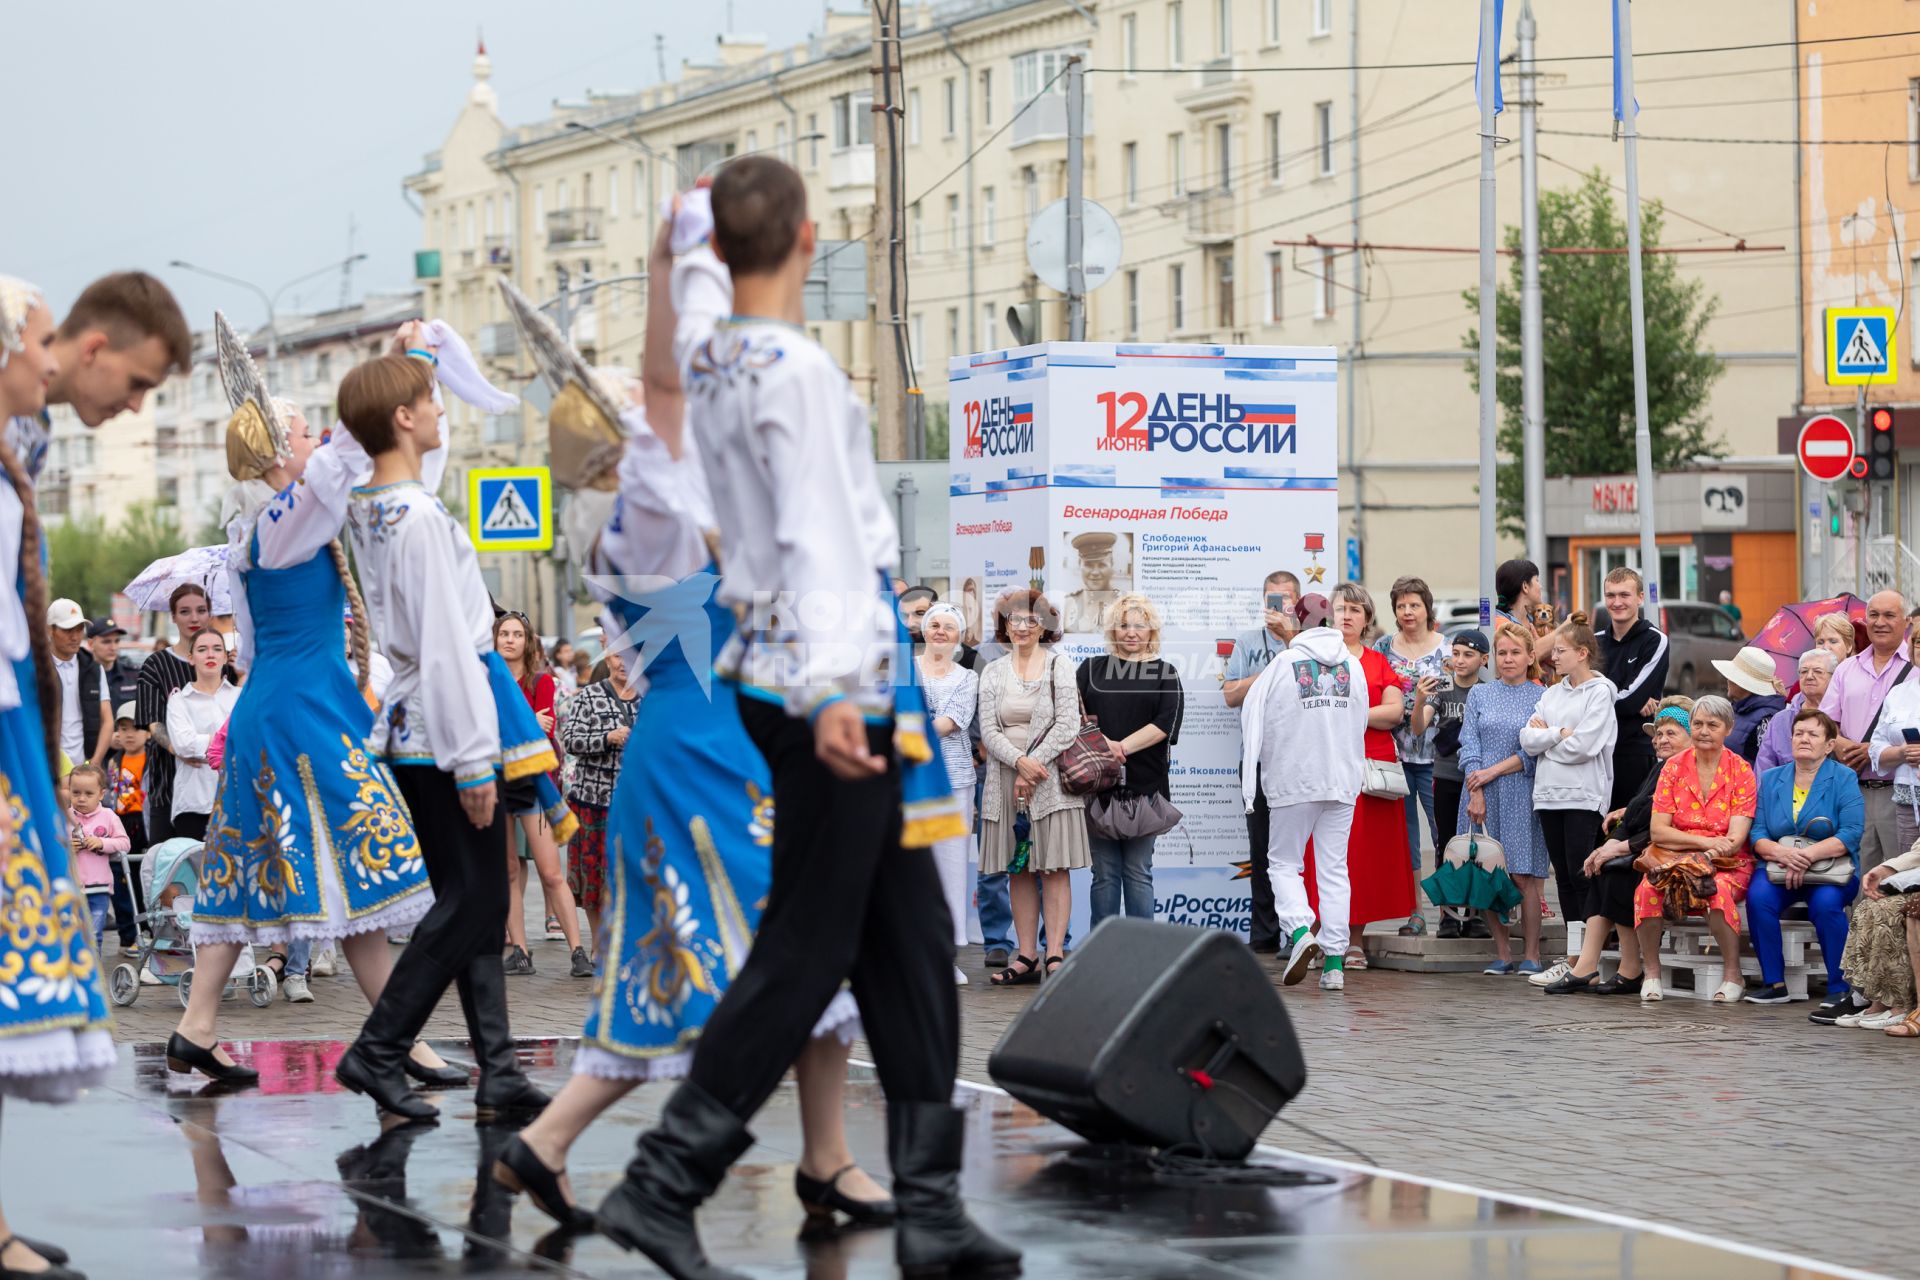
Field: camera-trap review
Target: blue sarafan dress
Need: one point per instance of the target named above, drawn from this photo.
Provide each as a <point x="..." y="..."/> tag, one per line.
<point x="54" y="1037"/>
<point x="309" y="837"/>
<point x="690" y="825"/>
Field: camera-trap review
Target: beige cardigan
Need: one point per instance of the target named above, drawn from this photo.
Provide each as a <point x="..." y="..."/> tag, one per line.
<point x="1051" y="735"/>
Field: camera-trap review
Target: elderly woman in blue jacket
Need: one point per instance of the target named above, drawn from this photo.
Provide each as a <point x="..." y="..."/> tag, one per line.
<point x="1817" y="798"/>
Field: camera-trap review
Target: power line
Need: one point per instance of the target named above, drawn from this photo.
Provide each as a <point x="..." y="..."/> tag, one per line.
<point x="1738" y="142"/>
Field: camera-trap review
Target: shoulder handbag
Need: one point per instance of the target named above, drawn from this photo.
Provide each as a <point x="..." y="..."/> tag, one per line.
<point x="1086" y="766"/>
<point x="1385" y="779"/>
<point x="1834" y="870"/>
<point x="1124" y="815"/>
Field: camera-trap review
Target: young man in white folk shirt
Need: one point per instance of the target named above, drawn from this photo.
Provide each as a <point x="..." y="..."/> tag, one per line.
<point x="806" y="534"/>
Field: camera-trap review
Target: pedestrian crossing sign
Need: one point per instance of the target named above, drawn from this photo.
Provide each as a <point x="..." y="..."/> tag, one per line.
<point x="510" y="508"/>
<point x="1860" y="344"/>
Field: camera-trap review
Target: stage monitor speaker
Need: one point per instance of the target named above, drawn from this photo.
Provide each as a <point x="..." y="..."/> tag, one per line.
<point x="1158" y="1035"/>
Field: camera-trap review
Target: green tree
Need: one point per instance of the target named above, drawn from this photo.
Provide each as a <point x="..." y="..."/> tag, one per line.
<point x="1587" y="347"/>
<point x="88" y="562"/>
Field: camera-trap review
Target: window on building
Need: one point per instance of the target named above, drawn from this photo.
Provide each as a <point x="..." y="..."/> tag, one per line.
<point x="1177" y="296"/>
<point x="613" y="193"/>
<point x="987" y="217"/>
<point x="753" y="142"/>
<point x="1323" y="287"/>
<point x="1030" y="190"/>
<point x="1913" y="131"/>
<point x="487" y="215"/>
<point x="1323" y="136"/>
<point x="1273" y="21"/>
<point x="1273" y="147"/>
<point x="949" y="107"/>
<point x="1177" y="163"/>
<point x="1130" y="171"/>
<point x="1323" y="17"/>
<point x="1129" y="43"/>
<point x="953" y="331"/>
<point x="1176" y="41"/>
<point x="989" y="334"/>
<point x="1223" y="291"/>
<point x="917" y="340"/>
<point x="539" y="208"/>
<point x="1223" y="154"/>
<point x="813" y="141"/>
<point x="1276" y="277"/>
<point x="781" y="144"/>
<point x="918" y="229"/>
<point x="642" y="198"/>
<point x="1133" y="303"/>
<point x="986" y="95"/>
<point x="562" y="195"/>
<point x="1223" y="28"/>
<point x="913" y="117"/>
<point x="853" y="120"/>
<point x="953" y="223"/>
<point x="1042" y="71"/>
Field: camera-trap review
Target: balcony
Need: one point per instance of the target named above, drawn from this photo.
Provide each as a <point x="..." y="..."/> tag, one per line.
<point x="499" y="250"/>
<point x="1210" y="216"/>
<point x="1218" y="83"/>
<point x="569" y="228"/>
<point x="850" y="167"/>
<point x="1047" y="120"/>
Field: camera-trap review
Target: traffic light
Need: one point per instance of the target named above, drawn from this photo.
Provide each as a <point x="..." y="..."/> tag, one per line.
<point x="1880" y="445"/>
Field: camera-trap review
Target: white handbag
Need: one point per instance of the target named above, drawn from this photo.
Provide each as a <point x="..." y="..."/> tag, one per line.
<point x="1385" y="779"/>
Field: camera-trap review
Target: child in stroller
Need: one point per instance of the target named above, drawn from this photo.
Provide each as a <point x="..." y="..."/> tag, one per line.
<point x="170" y="874"/>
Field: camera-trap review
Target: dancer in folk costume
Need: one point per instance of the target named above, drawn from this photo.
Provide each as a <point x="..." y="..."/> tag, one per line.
<point x="53" y="1017"/>
<point x="453" y="726"/>
<point x="308" y="838"/>
<point x="831" y="702"/>
<point x="690" y="825"/>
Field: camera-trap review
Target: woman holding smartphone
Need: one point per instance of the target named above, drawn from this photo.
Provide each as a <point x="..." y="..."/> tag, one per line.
<point x="1896" y="745"/>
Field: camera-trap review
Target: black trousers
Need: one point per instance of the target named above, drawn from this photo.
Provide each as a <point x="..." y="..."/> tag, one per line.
<point x="1447" y="793"/>
<point x="846" y="903"/>
<point x="465" y="864"/>
<point x="188" y="826"/>
<point x="1571" y="835"/>
<point x="1263" y="926"/>
<point x="1629" y="774"/>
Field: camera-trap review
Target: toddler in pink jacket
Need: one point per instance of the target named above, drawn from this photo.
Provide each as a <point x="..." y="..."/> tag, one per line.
<point x="97" y="833"/>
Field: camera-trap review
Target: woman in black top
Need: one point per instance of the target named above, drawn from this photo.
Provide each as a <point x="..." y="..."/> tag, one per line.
<point x="1612" y="897"/>
<point x="1135" y="694"/>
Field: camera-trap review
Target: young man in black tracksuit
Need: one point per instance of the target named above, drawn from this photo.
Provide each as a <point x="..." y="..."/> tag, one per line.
<point x="1633" y="654"/>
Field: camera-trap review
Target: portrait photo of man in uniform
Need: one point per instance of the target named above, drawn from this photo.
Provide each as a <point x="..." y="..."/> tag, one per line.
<point x="1102" y="563"/>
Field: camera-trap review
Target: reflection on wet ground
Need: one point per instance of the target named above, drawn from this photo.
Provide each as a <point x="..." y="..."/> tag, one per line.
<point x="161" y="1174"/>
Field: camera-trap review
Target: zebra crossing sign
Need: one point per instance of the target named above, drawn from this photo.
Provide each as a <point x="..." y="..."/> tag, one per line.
<point x="510" y="508"/>
<point x="1860" y="344"/>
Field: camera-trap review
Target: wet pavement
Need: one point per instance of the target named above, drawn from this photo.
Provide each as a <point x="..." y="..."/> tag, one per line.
<point x="294" y="1179"/>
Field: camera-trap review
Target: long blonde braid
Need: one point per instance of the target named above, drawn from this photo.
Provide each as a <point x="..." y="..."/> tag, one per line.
<point x="361" y="633"/>
<point x="44" y="679"/>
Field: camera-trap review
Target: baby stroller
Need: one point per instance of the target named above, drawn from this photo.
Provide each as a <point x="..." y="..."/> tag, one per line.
<point x="170" y="874"/>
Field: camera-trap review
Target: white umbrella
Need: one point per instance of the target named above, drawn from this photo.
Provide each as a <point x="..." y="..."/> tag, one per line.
<point x="202" y="566"/>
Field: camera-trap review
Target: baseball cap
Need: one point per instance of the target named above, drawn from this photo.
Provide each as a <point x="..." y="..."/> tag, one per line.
<point x="1472" y="637"/>
<point x="104" y="627"/>
<point x="64" y="613"/>
<point x="123" y="712"/>
<point x="1312" y="609"/>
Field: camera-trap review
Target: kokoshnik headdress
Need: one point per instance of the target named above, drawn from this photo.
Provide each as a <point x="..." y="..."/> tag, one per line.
<point x="256" y="434"/>
<point x="17" y="298"/>
<point x="584" y="436"/>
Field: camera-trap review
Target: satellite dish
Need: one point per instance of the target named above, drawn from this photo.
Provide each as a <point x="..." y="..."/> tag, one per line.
<point x="1099" y="245"/>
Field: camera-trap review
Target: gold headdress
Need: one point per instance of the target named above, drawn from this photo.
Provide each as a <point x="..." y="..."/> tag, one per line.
<point x="584" y="437"/>
<point x="256" y="434"/>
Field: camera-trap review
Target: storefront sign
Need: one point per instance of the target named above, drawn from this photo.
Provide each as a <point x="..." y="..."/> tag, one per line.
<point x="1615" y="506"/>
<point x="1723" y="501"/>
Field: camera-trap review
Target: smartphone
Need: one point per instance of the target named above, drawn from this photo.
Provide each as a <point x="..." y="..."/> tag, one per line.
<point x="1912" y="736"/>
<point x="1277" y="603"/>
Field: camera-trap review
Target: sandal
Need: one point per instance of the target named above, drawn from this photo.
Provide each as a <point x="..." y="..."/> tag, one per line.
<point x="1729" y="992"/>
<point x="1054" y="962"/>
<point x="1908" y="1028"/>
<point x="1415" y="927"/>
<point x="1013" y="977"/>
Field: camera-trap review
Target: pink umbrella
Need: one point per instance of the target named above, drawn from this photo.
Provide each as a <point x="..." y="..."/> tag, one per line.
<point x="1789" y="632"/>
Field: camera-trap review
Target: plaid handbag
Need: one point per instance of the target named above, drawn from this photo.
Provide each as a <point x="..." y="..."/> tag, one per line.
<point x="1086" y="766"/>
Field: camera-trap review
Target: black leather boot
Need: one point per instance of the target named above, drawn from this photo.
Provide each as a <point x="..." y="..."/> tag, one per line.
<point x="504" y="1089"/>
<point x="933" y="1238"/>
<point x="372" y="1063"/>
<point x="678" y="1165"/>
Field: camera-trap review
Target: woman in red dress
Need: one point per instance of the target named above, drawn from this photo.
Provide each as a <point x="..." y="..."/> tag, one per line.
<point x="1377" y="861"/>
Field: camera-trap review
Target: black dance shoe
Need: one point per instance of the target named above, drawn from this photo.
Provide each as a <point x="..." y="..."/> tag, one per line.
<point x="822" y="1198"/>
<point x="518" y="1169"/>
<point x="184" y="1056"/>
<point x="448" y="1076"/>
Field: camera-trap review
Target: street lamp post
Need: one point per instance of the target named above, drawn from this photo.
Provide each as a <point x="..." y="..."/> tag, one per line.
<point x="273" y="331"/>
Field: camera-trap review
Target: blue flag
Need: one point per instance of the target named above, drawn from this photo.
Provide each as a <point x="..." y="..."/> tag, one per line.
<point x="1480" y="72"/>
<point x="1619" y="87"/>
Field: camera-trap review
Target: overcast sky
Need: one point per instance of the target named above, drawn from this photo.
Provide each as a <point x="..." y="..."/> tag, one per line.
<point x="245" y="142"/>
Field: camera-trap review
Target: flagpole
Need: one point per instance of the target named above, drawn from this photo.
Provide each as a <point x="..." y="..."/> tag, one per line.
<point x="1626" y="109"/>
<point x="1488" y="90"/>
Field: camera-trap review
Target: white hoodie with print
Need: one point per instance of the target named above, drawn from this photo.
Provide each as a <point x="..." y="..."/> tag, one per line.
<point x="1304" y="722"/>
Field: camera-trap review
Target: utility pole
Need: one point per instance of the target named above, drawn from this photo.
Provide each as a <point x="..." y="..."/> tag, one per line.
<point x="1489" y="91"/>
<point x="1076" y="221"/>
<point x="1626" y="111"/>
<point x="1533" y="391"/>
<point x="886" y="254"/>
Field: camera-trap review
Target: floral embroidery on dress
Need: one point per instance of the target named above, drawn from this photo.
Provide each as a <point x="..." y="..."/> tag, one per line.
<point x="271" y="852"/>
<point x="49" y="934"/>
<point x="382" y="847"/>
<point x="670" y="961"/>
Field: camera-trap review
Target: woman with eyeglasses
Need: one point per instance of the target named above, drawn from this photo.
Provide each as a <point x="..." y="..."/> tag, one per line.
<point x="519" y="647"/>
<point x="1030" y="827"/>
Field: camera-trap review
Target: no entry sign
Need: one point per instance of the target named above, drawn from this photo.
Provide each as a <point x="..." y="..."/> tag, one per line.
<point x="1826" y="447"/>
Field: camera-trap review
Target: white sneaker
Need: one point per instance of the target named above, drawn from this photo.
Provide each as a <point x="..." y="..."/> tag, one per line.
<point x="322" y="966"/>
<point x="1649" y="989"/>
<point x="959" y="978"/>
<point x="295" y="987"/>
<point x="1333" y="980"/>
<point x="1551" y="974"/>
<point x="1304" y="953"/>
<point x="1881" y="1021"/>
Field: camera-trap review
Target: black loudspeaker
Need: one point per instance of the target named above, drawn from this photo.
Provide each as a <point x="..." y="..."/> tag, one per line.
<point x="1158" y="1035"/>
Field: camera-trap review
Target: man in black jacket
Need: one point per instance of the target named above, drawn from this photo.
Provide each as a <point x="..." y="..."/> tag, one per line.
<point x="86" y="714"/>
<point x="1633" y="654"/>
<point x="123" y="675"/>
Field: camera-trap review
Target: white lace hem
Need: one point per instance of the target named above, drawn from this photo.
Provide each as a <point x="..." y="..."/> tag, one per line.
<point x="841" y="1020"/>
<point x="54" y="1066"/>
